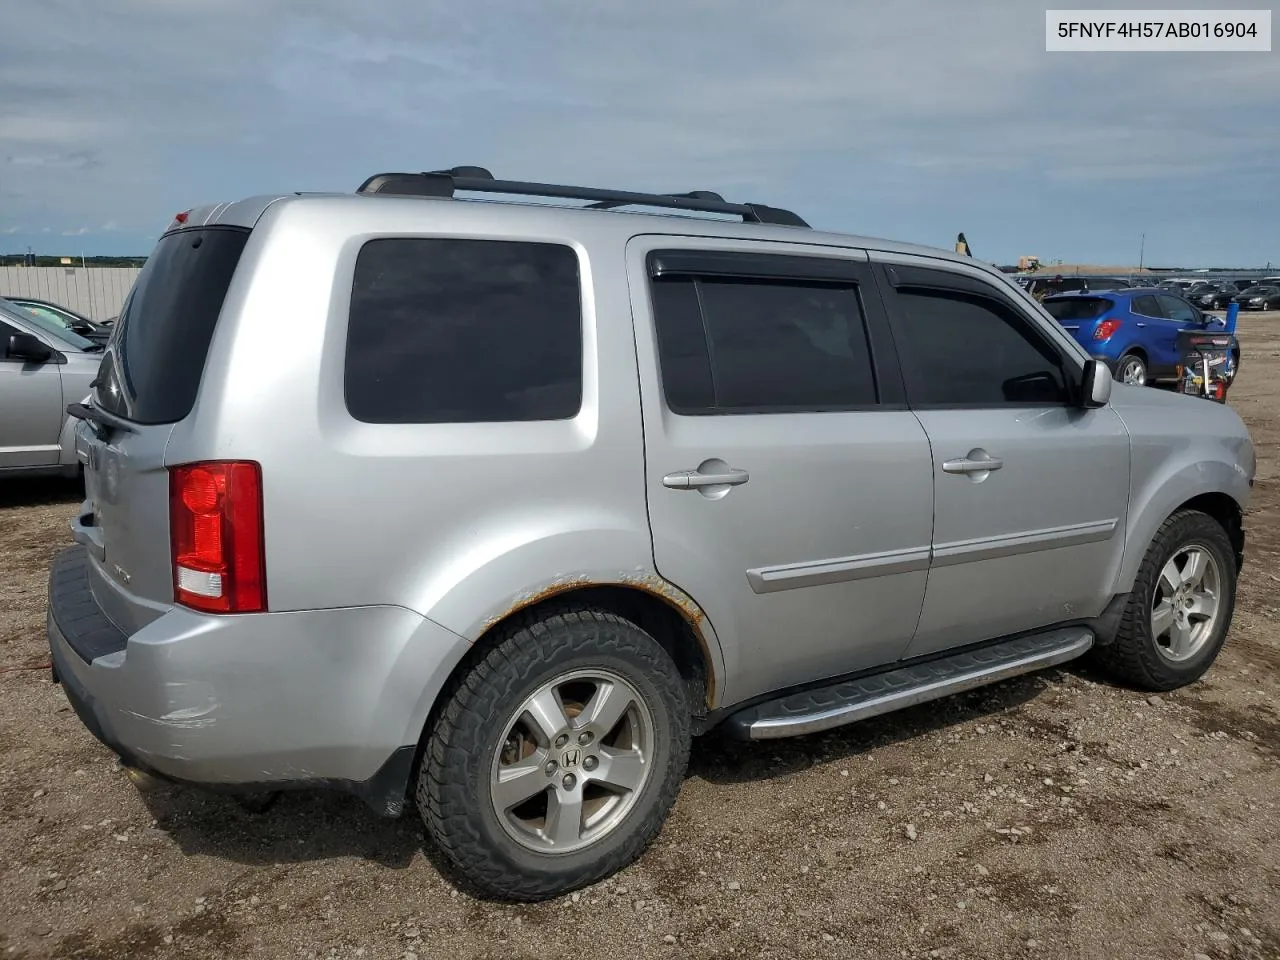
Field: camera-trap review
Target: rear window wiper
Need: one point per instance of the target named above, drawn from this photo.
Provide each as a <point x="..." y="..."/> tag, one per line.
<point x="99" y="419"/>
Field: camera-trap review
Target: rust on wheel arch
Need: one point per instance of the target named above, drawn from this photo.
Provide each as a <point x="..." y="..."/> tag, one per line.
<point x="648" y="583"/>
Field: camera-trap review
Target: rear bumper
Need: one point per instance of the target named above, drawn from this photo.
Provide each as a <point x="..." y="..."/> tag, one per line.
<point x="318" y="698"/>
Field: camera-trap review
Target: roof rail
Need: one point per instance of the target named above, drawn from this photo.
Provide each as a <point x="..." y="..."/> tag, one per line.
<point x="444" y="183"/>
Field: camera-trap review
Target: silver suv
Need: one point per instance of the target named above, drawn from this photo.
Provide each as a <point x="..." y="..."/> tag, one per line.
<point x="494" y="505"/>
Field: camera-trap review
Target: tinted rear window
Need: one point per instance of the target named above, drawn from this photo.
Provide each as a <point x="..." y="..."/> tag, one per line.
<point x="464" y="331"/>
<point x="152" y="370"/>
<point x="761" y="346"/>
<point x="1077" y="308"/>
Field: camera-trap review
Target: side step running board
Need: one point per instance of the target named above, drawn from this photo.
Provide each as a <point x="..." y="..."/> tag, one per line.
<point x="826" y="707"/>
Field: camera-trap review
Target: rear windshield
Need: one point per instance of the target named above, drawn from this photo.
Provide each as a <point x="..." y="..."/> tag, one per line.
<point x="1077" y="308"/>
<point x="151" y="372"/>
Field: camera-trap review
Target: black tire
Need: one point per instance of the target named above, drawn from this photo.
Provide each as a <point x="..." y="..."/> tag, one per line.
<point x="1135" y="657"/>
<point x="1132" y="360"/>
<point x="453" y="788"/>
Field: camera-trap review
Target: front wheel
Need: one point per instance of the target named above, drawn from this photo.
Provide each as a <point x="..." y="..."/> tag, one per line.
<point x="1131" y="369"/>
<point x="556" y="757"/>
<point x="1180" y="609"/>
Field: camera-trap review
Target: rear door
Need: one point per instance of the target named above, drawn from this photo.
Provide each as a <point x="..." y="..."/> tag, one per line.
<point x="1030" y="491"/>
<point x="31" y="412"/>
<point x="149" y="377"/>
<point x="789" y="488"/>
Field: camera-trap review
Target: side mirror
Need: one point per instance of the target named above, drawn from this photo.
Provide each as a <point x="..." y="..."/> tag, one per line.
<point x="23" y="346"/>
<point x="1095" y="384"/>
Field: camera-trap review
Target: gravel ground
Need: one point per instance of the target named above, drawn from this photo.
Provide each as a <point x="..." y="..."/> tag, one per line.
<point x="1051" y="816"/>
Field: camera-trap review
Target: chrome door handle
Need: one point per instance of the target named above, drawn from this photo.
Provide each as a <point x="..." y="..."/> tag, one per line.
<point x="1141" y="324"/>
<point x="693" y="479"/>
<point x="965" y="465"/>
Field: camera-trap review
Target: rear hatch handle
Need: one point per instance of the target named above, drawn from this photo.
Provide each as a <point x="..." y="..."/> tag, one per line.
<point x="100" y="419"/>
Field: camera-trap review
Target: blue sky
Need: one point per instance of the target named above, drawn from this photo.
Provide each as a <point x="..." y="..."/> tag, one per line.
<point x="912" y="119"/>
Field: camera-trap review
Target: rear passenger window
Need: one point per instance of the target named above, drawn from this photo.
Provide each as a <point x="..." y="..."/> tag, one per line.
<point x="464" y="331"/>
<point x="961" y="350"/>
<point x="1147" y="306"/>
<point x="761" y="346"/>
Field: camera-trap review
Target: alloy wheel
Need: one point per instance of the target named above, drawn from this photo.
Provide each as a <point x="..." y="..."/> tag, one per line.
<point x="572" y="761"/>
<point x="1133" y="372"/>
<point x="1186" y="603"/>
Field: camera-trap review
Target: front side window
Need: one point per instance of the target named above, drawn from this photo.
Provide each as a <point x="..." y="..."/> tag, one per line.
<point x="464" y="331"/>
<point x="729" y="345"/>
<point x="1177" y="309"/>
<point x="965" y="350"/>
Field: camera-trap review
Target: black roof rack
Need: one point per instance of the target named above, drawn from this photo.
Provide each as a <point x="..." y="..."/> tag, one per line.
<point x="444" y="183"/>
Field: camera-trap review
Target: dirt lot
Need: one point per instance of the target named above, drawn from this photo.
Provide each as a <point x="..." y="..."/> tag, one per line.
<point x="1052" y="816"/>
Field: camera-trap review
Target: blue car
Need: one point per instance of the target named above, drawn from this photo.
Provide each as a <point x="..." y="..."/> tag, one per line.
<point x="1133" y="331"/>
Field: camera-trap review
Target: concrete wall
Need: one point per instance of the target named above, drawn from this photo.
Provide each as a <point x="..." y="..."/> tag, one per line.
<point x="96" y="292"/>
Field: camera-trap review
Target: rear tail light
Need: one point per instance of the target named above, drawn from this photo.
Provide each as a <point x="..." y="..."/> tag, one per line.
<point x="1106" y="328"/>
<point x="215" y="529"/>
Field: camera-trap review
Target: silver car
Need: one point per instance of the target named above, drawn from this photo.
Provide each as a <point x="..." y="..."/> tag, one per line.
<point x="489" y="507"/>
<point x="43" y="368"/>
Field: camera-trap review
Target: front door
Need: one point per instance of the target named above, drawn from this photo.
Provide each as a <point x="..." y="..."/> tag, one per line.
<point x="31" y="408"/>
<point x="1030" y="490"/>
<point x="1178" y="316"/>
<point x="789" y="489"/>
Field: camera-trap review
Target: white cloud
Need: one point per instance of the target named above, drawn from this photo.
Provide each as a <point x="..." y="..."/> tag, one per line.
<point x="78" y="232"/>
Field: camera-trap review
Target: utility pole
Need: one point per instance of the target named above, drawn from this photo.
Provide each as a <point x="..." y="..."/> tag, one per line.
<point x="1142" y="251"/>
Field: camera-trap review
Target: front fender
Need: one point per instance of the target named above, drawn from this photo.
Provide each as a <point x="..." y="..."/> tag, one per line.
<point x="1160" y="489"/>
<point x="67" y="456"/>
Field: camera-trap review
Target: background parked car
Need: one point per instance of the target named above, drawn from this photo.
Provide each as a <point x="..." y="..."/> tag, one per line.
<point x="65" y="318"/>
<point x="1041" y="287"/>
<point x="43" y="367"/>
<point x="1212" y="295"/>
<point x="1133" y="331"/>
<point x="1259" y="297"/>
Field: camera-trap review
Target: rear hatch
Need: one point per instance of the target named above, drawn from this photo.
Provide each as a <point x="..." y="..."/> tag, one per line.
<point x="1079" y="316"/>
<point x="147" y="382"/>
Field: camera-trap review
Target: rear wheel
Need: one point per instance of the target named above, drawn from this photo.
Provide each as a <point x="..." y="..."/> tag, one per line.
<point x="1132" y="369"/>
<point x="1180" y="608"/>
<point x="557" y="756"/>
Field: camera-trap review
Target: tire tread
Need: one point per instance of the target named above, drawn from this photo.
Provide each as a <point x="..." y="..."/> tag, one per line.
<point x="526" y="645"/>
<point x="1132" y="657"/>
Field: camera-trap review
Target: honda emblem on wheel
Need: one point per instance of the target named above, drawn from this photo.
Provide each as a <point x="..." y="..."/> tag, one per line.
<point x="570" y="758"/>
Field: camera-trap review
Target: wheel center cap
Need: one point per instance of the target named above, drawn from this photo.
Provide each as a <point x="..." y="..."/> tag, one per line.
<point x="570" y="759"/>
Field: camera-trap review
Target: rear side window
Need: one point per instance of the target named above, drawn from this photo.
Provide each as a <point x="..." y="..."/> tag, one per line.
<point x="761" y="346"/>
<point x="1147" y="306"/>
<point x="1070" y="309"/>
<point x="152" y="371"/>
<point x="464" y="331"/>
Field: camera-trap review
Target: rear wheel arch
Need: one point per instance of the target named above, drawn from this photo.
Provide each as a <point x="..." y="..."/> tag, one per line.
<point x="669" y="616"/>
